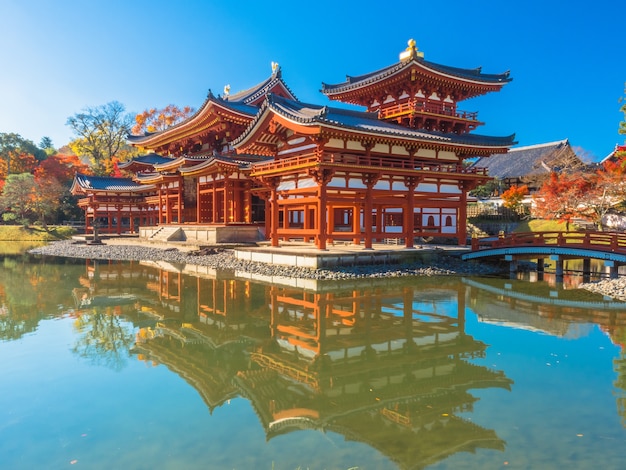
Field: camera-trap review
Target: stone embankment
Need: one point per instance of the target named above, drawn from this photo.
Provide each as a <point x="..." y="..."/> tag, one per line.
<point x="225" y="259"/>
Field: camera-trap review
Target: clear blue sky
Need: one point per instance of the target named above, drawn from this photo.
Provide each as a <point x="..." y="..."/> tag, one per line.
<point x="567" y="59"/>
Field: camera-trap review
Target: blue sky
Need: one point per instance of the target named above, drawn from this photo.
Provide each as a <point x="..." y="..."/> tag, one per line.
<point x="567" y="59"/>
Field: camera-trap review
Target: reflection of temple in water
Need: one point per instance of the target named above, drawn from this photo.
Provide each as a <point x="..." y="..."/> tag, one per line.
<point x="384" y="364"/>
<point x="375" y="365"/>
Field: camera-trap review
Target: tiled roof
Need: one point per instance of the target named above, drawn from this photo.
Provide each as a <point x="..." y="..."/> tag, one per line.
<point x="149" y="160"/>
<point x="464" y="74"/>
<point x="105" y="183"/>
<point x="523" y="161"/>
<point x="303" y="113"/>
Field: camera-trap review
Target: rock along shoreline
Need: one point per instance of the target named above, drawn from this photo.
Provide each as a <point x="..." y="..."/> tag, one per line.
<point x="221" y="258"/>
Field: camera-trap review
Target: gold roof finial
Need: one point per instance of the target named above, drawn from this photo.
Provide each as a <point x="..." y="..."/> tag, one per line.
<point x="274" y="67"/>
<point x="226" y="90"/>
<point x="411" y="52"/>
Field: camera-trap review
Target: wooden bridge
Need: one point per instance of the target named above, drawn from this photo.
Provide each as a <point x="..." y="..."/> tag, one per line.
<point x="609" y="247"/>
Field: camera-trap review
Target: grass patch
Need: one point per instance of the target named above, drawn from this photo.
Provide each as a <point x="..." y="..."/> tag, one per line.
<point x="19" y="233"/>
<point x="540" y="225"/>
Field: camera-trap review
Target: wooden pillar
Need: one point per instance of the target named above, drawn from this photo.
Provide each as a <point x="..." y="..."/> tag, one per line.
<point x="268" y="216"/>
<point x="179" y="201"/>
<point x="119" y="220"/>
<point x="214" y="206"/>
<point x="227" y="201"/>
<point x="168" y="206"/>
<point x="247" y="203"/>
<point x="160" y="211"/>
<point x="409" y="211"/>
<point x="356" y="224"/>
<point x="461" y="220"/>
<point x="198" y="202"/>
<point x="271" y="222"/>
<point x="306" y="222"/>
<point x="369" y="180"/>
<point x="322" y="230"/>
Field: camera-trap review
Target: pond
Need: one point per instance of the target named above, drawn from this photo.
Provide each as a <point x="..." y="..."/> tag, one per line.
<point x="139" y="365"/>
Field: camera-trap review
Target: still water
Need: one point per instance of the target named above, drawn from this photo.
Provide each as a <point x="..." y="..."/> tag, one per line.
<point x="131" y="365"/>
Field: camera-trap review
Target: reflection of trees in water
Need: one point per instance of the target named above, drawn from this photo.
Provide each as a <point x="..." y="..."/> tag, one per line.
<point x="103" y="339"/>
<point x="29" y="291"/>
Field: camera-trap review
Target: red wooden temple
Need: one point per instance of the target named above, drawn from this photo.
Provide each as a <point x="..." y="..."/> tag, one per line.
<point x="260" y="163"/>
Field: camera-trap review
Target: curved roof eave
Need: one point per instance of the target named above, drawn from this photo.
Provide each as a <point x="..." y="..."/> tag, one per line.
<point x="474" y="76"/>
<point x="105" y="184"/>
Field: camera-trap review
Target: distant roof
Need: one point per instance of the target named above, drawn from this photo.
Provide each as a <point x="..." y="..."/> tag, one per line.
<point x="618" y="149"/>
<point x="105" y="183"/>
<point x="523" y="161"/>
<point x="310" y="114"/>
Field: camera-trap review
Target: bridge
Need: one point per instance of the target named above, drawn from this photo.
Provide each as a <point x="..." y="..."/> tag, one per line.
<point x="608" y="247"/>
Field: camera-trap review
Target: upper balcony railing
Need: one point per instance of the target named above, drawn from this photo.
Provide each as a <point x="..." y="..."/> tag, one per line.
<point x="441" y="109"/>
<point x="374" y="162"/>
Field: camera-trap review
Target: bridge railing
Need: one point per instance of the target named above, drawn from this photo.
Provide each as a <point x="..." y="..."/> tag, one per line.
<point x="602" y="241"/>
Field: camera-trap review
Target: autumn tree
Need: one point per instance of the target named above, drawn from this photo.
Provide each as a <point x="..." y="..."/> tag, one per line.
<point x="47" y="198"/>
<point x="62" y="167"/>
<point x="155" y="120"/>
<point x="513" y="197"/>
<point x="101" y="134"/>
<point x="560" y="197"/>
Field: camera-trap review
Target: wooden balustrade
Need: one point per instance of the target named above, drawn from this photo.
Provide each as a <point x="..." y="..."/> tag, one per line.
<point x="372" y="161"/>
<point x="442" y="109"/>
<point x="602" y="241"/>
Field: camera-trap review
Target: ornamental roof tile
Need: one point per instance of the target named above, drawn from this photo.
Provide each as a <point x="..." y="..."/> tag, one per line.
<point x="309" y="114"/>
<point x="524" y="161"/>
<point x="474" y="74"/>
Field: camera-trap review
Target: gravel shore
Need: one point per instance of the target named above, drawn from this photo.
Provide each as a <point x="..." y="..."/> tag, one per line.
<point x="614" y="288"/>
<point x="224" y="259"/>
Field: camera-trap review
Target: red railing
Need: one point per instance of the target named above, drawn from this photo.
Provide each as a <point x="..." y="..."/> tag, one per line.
<point x="601" y="241"/>
<point x="363" y="160"/>
<point x="442" y="109"/>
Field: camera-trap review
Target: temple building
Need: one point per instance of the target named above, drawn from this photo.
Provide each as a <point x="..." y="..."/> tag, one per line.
<point x="259" y="164"/>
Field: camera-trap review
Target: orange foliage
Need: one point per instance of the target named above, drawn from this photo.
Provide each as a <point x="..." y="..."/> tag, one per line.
<point x="22" y="163"/>
<point x="62" y="168"/>
<point x="514" y="196"/>
<point x="565" y="196"/>
<point x="155" y="120"/>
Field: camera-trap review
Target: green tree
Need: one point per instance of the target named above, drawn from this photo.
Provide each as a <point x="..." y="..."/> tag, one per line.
<point x="46" y="145"/>
<point x="101" y="134"/>
<point x="17" y="198"/>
